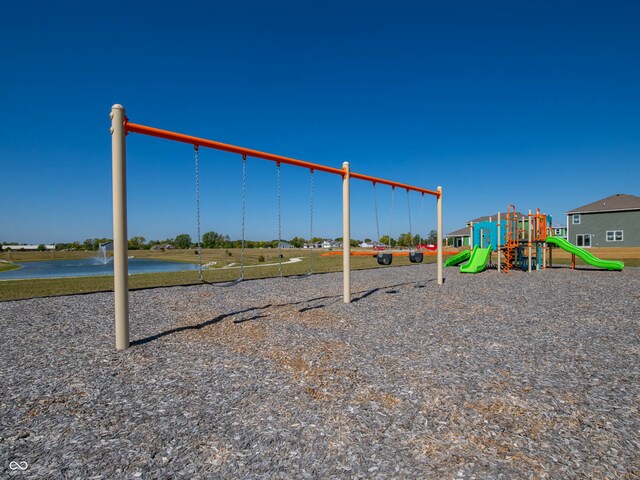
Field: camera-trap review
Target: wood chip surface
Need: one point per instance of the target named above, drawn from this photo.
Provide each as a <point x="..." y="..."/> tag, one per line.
<point x="489" y="376"/>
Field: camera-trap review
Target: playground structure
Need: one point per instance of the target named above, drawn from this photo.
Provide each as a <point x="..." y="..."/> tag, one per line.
<point x="121" y="127"/>
<point x="521" y="242"/>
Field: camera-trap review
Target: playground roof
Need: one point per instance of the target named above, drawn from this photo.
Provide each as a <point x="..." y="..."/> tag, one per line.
<point x="619" y="201"/>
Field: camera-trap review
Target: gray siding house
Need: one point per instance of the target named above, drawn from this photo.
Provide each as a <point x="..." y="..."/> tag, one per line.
<point x="611" y="222"/>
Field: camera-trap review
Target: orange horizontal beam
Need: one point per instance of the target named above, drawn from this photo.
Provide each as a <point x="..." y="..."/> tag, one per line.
<point x="404" y="186"/>
<point x="203" y="142"/>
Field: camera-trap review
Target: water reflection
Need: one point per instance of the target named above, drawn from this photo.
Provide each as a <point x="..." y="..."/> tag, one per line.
<point x="89" y="267"/>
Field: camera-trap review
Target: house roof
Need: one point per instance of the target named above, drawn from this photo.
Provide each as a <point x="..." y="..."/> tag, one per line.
<point x="619" y="201"/>
<point x="461" y="232"/>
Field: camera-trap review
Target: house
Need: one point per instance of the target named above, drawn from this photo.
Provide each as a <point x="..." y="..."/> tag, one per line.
<point x="610" y="222"/>
<point x="458" y="238"/>
<point x="166" y="246"/>
<point x="284" y="245"/>
<point x="559" y="230"/>
<point x="328" y="243"/>
<point x="371" y="244"/>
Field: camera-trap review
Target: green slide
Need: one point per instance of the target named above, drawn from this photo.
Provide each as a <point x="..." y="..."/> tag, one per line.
<point x="458" y="258"/>
<point x="585" y="255"/>
<point x="478" y="261"/>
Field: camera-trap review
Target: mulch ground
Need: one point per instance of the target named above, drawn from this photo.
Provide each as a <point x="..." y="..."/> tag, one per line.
<point x="489" y="376"/>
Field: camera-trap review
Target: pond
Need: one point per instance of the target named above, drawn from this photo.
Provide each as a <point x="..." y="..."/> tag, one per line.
<point x="89" y="267"/>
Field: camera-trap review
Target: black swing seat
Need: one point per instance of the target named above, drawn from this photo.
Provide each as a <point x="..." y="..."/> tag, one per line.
<point x="384" y="258"/>
<point x="416" y="257"/>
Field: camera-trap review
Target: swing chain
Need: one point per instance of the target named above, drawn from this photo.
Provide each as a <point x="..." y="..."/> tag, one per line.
<point x="279" y="225"/>
<point x="375" y="206"/>
<point x="393" y="195"/>
<point x="311" y="226"/>
<point x="197" y="162"/>
<point x="244" y="195"/>
<point x="421" y="220"/>
<point x="410" y="226"/>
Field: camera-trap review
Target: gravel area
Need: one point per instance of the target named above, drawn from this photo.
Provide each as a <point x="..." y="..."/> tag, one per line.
<point x="490" y="376"/>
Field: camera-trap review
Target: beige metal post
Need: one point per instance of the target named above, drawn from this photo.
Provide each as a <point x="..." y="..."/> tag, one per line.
<point x="529" y="242"/>
<point x="439" y="251"/>
<point x="499" y="246"/>
<point x="346" y="233"/>
<point x="120" y="265"/>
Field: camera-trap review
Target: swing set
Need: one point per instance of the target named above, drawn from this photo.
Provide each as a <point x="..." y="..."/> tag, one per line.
<point x="242" y="241"/>
<point x="415" y="256"/>
<point x="121" y="127"/>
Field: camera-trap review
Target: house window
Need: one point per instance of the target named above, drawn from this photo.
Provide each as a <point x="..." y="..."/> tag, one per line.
<point x="615" y="235"/>
<point x="583" y="240"/>
<point x="576" y="219"/>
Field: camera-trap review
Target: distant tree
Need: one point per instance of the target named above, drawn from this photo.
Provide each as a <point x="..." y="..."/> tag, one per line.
<point x="385" y="240"/>
<point x="183" y="241"/>
<point x="41" y="248"/>
<point x="215" y="240"/>
<point x="432" y="238"/>
<point x="355" y="242"/>
<point x="297" y="242"/>
<point x="367" y="240"/>
<point x="404" y="239"/>
<point x="209" y="239"/>
<point x="317" y="240"/>
<point x="136" y="243"/>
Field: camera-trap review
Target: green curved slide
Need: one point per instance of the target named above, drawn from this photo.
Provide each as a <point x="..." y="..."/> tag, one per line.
<point x="585" y="255"/>
<point x="478" y="261"/>
<point x="458" y="258"/>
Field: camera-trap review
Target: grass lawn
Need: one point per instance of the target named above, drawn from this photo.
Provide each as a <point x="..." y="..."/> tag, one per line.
<point x="255" y="268"/>
<point x="4" y="267"/>
<point x="259" y="263"/>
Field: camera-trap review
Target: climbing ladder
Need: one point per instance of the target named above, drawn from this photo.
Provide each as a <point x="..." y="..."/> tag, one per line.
<point x="540" y="230"/>
<point x="511" y="242"/>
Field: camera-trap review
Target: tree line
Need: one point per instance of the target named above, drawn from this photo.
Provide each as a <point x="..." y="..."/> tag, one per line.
<point x="217" y="240"/>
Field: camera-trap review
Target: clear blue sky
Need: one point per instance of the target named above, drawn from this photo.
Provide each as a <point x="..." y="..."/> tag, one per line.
<point x="531" y="103"/>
